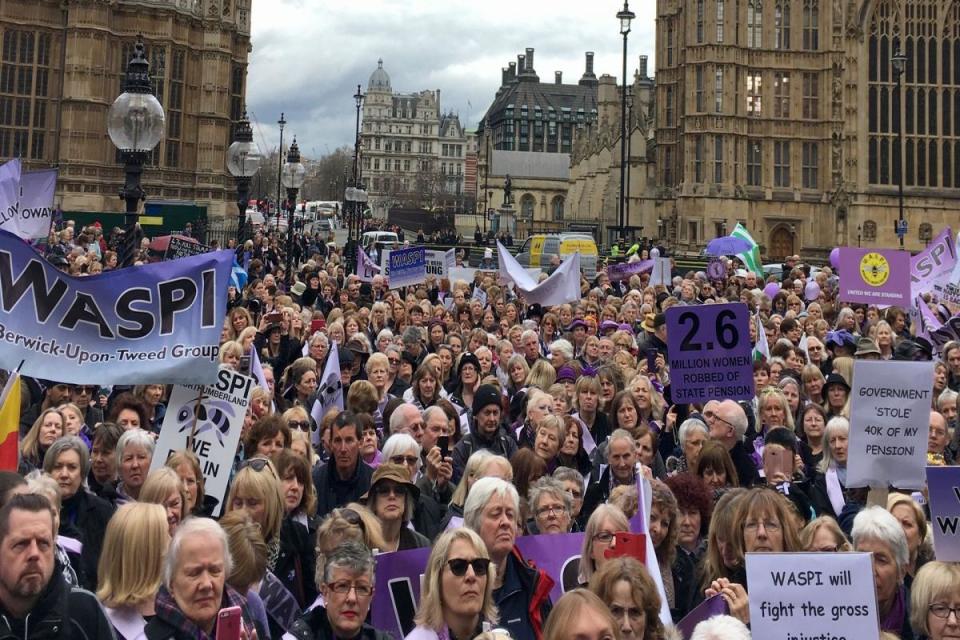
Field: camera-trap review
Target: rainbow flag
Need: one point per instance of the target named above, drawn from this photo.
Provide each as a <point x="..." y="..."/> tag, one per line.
<point x="10" y="424"/>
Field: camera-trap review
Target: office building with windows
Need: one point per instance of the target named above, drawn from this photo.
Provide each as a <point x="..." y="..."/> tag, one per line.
<point x="786" y="115"/>
<point x="62" y="66"/>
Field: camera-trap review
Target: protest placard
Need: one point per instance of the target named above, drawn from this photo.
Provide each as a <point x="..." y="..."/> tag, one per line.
<point x="710" y="352"/>
<point x="558" y="555"/>
<point x="875" y="276"/>
<point x="889" y="422"/>
<point x="661" y="273"/>
<point x="943" y="484"/>
<point x="931" y="268"/>
<point x="714" y="606"/>
<point x="625" y="270"/>
<point x="153" y="324"/>
<point x="180" y="247"/>
<point x="396" y="593"/>
<point x="32" y="215"/>
<point x="812" y="596"/>
<point x="439" y="263"/>
<point x="407" y="267"/>
<point x="207" y="419"/>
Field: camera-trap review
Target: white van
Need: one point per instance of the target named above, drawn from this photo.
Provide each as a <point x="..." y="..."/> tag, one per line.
<point x="372" y="237"/>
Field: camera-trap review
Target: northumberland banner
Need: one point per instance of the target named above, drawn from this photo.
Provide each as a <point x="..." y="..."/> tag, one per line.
<point x="158" y="323"/>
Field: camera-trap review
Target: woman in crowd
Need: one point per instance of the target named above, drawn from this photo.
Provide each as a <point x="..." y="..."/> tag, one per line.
<point x="134" y="455"/>
<point x="73" y="422"/>
<point x="624" y="412"/>
<point x="829" y="490"/>
<point x="180" y="614"/>
<point x="605" y="521"/>
<point x="392" y="498"/>
<point x="694" y="505"/>
<point x="248" y="552"/>
<point x="876" y="531"/>
<point x="935" y="601"/>
<point x="128" y="411"/>
<point x="296" y="487"/>
<point x="813" y="422"/>
<point x="716" y="468"/>
<point x="624" y="585"/>
<point x="103" y="461"/>
<point x="67" y="462"/>
<point x="528" y="467"/>
<point x="467" y="381"/>
<point x="480" y="464"/>
<point x="549" y="435"/>
<point x="539" y="406"/>
<point x="675" y="568"/>
<point x="572" y="454"/>
<point x="813" y="381"/>
<point x="836" y="393"/>
<point x="457" y="596"/>
<point x="721" y="559"/>
<point x="586" y="401"/>
<point x="823" y="534"/>
<point x="914" y="523"/>
<point x="581" y="614"/>
<point x="267" y="436"/>
<point x="152" y="397"/>
<point x="44" y="432"/>
<point x="425" y="387"/>
<point x="187" y="465"/>
<point x="301" y="380"/>
<point x="164" y="487"/>
<point x="551" y="506"/>
<point x="131" y="569"/>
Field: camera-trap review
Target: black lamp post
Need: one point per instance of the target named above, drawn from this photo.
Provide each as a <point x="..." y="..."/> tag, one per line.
<point x="899" y="61"/>
<point x="243" y="161"/>
<point x="135" y="123"/>
<point x="859" y="231"/>
<point x="625" y="16"/>
<point x="282" y="123"/>
<point x="292" y="175"/>
<point x="358" y="98"/>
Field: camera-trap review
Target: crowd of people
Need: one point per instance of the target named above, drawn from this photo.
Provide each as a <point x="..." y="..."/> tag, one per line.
<point x="467" y="424"/>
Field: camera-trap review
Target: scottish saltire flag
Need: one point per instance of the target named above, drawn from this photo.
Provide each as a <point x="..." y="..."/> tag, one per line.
<point x="238" y="276"/>
<point x="752" y="257"/>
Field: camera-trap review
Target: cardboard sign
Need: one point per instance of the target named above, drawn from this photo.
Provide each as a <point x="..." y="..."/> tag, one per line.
<point x="802" y="596"/>
<point x="889" y="419"/>
<point x="875" y="276"/>
<point x="944" y="487"/>
<point x="183" y="248"/>
<point x="212" y="416"/>
<point x="710" y="352"/>
<point x="407" y="267"/>
<point x="661" y="273"/>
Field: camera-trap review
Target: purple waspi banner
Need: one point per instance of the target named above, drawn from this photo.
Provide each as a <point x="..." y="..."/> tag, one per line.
<point x="875" y="276"/>
<point x="944" y="486"/>
<point x="625" y="270"/>
<point x="158" y="323"/>
<point x="558" y="555"/>
<point x="397" y="590"/>
<point x="710" y="352"/>
<point x="931" y="268"/>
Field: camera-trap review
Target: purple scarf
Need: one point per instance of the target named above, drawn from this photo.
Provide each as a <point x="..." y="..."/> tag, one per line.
<point x="893" y="621"/>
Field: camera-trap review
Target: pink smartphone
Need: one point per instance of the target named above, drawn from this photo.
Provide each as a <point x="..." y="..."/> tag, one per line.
<point x="229" y="621"/>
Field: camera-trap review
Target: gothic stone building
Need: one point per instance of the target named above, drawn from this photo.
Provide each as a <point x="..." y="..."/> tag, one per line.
<point x="785" y="114"/>
<point x="62" y="66"/>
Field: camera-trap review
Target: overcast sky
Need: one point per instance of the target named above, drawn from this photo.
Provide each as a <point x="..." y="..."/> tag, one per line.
<point x="309" y="55"/>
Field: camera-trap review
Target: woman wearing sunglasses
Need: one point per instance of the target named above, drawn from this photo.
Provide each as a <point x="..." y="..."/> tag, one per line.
<point x="392" y="498"/>
<point x="457" y="593"/>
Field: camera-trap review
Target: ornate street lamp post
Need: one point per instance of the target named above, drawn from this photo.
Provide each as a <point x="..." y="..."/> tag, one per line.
<point x="292" y="175"/>
<point x="243" y="161"/>
<point x="625" y="16"/>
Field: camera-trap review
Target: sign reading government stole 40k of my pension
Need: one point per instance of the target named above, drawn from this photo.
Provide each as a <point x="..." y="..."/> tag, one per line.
<point x="710" y="352"/>
<point x="157" y="323"/>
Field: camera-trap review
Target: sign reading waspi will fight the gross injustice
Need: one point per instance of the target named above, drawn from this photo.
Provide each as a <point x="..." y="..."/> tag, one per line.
<point x="710" y="352"/>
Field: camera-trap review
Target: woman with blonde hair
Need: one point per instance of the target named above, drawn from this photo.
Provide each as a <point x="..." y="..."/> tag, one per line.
<point x="238" y="319"/>
<point x="823" y="534"/>
<point x="164" y="487"/>
<point x="624" y="585"/>
<point x="230" y="353"/>
<point x="586" y="400"/>
<point x="46" y="429"/>
<point x="249" y="554"/>
<point x="457" y="595"/>
<point x="648" y="399"/>
<point x="131" y="566"/>
<point x="153" y="398"/>
<point x="604" y="522"/>
<point x="542" y="375"/>
<point x="581" y="614"/>
<point x="187" y="465"/>
<point x="935" y="600"/>
<point x="913" y="521"/>
<point x="481" y="464"/>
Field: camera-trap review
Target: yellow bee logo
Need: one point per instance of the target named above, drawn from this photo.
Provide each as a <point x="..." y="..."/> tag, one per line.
<point x="874" y="269"/>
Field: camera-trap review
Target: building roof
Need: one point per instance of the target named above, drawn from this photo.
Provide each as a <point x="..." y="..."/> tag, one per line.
<point x="543" y="94"/>
<point x="530" y="164"/>
<point x="379" y="79"/>
<point x="449" y="120"/>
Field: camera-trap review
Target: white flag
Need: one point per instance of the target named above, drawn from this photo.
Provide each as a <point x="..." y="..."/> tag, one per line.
<point x="562" y="286"/>
<point x="9" y="195"/>
<point x="329" y="393"/>
<point x="366" y="267"/>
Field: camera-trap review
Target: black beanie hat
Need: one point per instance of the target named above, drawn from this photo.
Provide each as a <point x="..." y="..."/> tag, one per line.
<point x="487" y="394"/>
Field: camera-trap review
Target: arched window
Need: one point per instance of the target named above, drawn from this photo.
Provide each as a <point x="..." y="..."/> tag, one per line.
<point x="557" y="208"/>
<point x="869" y="230"/>
<point x="925" y="232"/>
<point x="527" y="204"/>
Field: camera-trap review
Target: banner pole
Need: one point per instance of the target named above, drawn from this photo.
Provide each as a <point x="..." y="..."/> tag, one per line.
<point x="193" y="428"/>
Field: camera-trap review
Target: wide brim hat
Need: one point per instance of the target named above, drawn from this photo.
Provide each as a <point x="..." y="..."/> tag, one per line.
<point x="397" y="473"/>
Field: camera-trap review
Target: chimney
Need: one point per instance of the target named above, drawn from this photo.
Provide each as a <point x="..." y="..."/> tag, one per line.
<point x="504" y="76"/>
<point x="589" y="71"/>
<point x="438" y="101"/>
<point x="521" y="65"/>
<point x="588" y="76"/>
<point x="530" y="59"/>
<point x="558" y="77"/>
<point x="512" y="73"/>
<point x="643" y="67"/>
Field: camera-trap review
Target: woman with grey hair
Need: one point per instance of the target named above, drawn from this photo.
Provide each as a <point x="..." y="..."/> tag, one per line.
<point x="83" y="516"/>
<point x="194" y="586"/>
<point x="551" y="506"/>
<point x="491" y="510"/>
<point x="692" y="434"/>
<point x="561" y="352"/>
<point x="876" y="531"/>
<point x="347" y="589"/>
<point x="134" y="455"/>
<point x="829" y="490"/>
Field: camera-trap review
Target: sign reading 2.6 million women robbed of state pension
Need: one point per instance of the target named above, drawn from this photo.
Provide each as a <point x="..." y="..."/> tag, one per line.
<point x="710" y="352"/>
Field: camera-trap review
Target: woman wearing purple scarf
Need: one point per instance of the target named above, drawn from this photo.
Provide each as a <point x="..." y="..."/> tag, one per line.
<point x="876" y="531"/>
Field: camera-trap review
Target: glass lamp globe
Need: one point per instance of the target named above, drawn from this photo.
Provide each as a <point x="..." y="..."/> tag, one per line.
<point x="135" y="121"/>
<point x="293" y="175"/>
<point x="243" y="159"/>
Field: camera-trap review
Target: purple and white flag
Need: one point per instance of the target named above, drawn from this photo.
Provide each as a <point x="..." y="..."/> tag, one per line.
<point x="329" y="392"/>
<point x="366" y="268"/>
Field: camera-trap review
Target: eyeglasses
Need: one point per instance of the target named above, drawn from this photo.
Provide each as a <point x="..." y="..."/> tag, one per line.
<point x="82" y="389"/>
<point x="943" y="611"/>
<point x="386" y="489"/>
<point x="407" y="460"/>
<point x="393" y="361"/>
<point x="712" y="415"/>
<point x="257" y="464"/>
<point x="302" y="425"/>
<point x="458" y="566"/>
<point x="554" y="509"/>
<point x="604" y="537"/>
<point x="343" y="588"/>
<point x="769" y="525"/>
